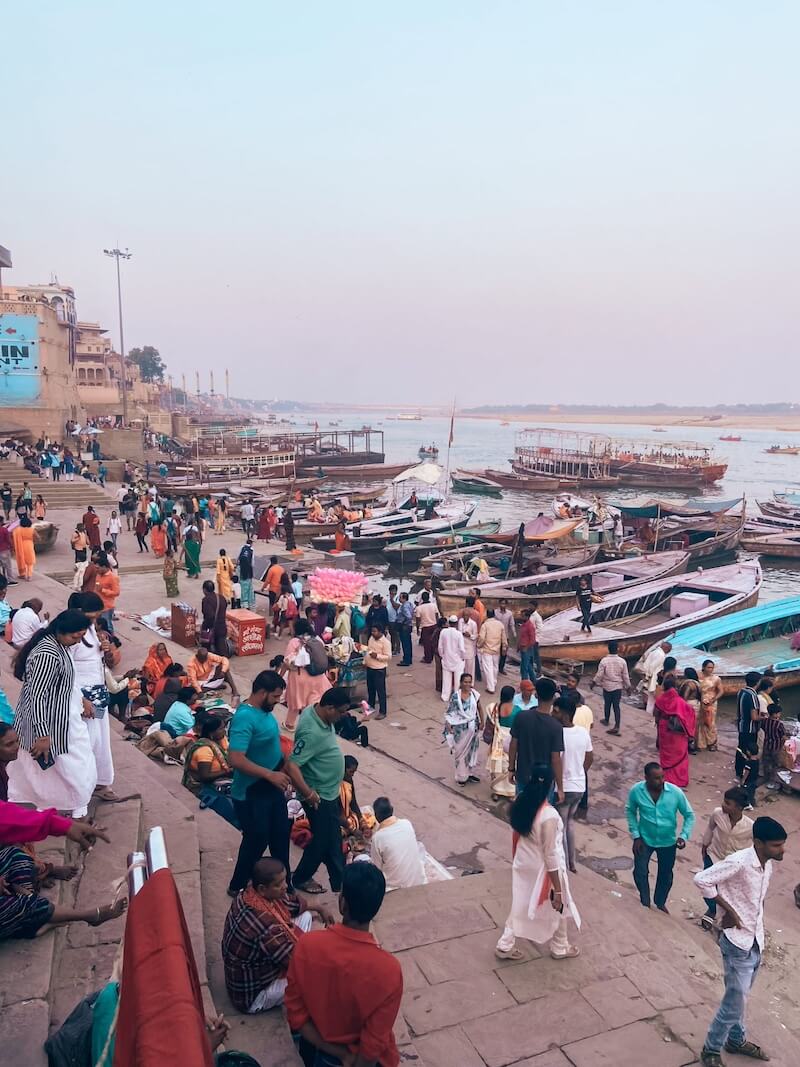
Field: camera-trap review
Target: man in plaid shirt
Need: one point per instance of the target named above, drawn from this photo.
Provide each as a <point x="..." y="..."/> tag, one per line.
<point x="264" y="924"/>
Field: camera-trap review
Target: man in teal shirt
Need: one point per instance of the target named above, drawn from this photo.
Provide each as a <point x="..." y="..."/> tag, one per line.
<point x="652" y="812"/>
<point x="261" y="777"/>
<point x="317" y="754"/>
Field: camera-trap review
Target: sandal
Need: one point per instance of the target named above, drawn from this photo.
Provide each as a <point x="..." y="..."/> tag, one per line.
<point x="747" y="1048"/>
<point x="312" y="887"/>
<point x="106" y="793"/>
<point x="107" y="912"/>
<point x="570" y="954"/>
<point x="509" y="954"/>
<point x="711" y="1059"/>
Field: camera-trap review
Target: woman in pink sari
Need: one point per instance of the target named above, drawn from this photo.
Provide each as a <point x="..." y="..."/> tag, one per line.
<point x="676" y="722"/>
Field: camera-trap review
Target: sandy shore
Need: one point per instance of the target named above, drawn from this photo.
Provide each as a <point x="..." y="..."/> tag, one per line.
<point x="784" y="423"/>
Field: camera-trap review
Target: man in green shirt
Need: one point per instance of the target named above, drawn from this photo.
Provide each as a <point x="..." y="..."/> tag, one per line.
<point x="261" y="779"/>
<point x="652" y="812"/>
<point x="319" y="758"/>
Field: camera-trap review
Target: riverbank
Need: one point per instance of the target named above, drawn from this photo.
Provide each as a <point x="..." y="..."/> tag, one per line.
<point x="783" y="424"/>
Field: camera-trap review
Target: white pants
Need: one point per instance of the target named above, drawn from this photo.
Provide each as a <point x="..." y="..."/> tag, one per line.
<point x="489" y="665"/>
<point x="450" y="680"/>
<point x="100" y="737"/>
<point x="273" y="995"/>
<point x="559" y="943"/>
<point x="651" y="703"/>
<point x="469" y="662"/>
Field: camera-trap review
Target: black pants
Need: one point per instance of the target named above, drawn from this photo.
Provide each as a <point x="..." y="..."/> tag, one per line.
<point x="325" y="846"/>
<point x="501" y="667"/>
<point x="405" y="642"/>
<point x="611" y="700"/>
<point x="142" y="543"/>
<point x="641" y="865"/>
<point x="584" y="804"/>
<point x="394" y="637"/>
<point x="376" y="688"/>
<point x="265" y="825"/>
<point x="118" y="703"/>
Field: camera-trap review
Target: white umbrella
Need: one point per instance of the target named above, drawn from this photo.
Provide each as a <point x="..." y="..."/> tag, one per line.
<point x="427" y="472"/>
<point x="91" y="429"/>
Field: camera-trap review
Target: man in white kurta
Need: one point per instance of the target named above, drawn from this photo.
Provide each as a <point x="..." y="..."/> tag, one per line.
<point x="492" y="644"/>
<point x="652" y="664"/>
<point x="394" y="849"/>
<point x="468" y="629"/>
<point x="452" y="654"/>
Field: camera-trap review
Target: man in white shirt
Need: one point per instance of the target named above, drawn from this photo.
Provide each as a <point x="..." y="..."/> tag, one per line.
<point x="651" y="665"/>
<point x="728" y="830"/>
<point x="505" y="615"/>
<point x="576" y="760"/>
<point x="739" y="885"/>
<point x="27" y="622"/>
<point x="468" y="629"/>
<point x="395" y="850"/>
<point x="121" y="493"/>
<point x="612" y="677"/>
<point x="248" y="516"/>
<point x="492" y="644"/>
<point x="452" y="654"/>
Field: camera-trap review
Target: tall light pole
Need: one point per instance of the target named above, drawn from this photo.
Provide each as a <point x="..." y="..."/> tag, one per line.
<point x="117" y="254"/>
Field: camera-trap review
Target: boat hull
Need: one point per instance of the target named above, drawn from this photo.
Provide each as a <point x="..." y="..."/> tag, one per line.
<point x="769" y="546"/>
<point x="466" y="485"/>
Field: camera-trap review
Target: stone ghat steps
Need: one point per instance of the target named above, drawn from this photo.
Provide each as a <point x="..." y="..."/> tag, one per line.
<point x="42" y="980"/>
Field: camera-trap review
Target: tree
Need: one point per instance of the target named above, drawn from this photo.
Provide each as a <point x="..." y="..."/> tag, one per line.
<point x="151" y="365"/>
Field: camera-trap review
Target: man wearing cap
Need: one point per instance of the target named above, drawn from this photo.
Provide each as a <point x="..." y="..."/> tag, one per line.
<point x="526" y="697"/>
<point x="452" y="654"/>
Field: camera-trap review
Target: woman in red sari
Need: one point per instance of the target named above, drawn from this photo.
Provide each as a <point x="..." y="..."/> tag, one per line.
<point x="266" y="524"/>
<point x="676" y="722"/>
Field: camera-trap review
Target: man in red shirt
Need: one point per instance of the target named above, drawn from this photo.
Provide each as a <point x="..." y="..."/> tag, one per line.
<point x="344" y="991"/>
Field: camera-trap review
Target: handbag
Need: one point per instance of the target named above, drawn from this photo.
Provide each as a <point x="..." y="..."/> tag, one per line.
<point x="98" y="697"/>
<point x="489" y="725"/>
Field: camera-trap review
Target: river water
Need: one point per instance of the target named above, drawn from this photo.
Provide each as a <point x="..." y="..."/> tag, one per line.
<point x="481" y="443"/>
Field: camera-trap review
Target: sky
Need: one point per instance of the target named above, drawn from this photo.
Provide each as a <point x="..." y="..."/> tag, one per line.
<point x="494" y="202"/>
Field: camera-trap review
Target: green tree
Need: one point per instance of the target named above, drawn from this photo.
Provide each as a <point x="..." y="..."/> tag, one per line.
<point x="151" y="365"/>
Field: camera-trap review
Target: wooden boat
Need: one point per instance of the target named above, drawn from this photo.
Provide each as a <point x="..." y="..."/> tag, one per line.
<point x="429" y="452"/>
<point x="413" y="549"/>
<point x="751" y="640"/>
<point x="449" y="566"/>
<point x="783" y="450"/>
<point x="45" y="535"/>
<point x="553" y="530"/>
<point x="637" y="618"/>
<point x="784" y="545"/>
<point x="554" y="590"/>
<point x="526" y="483"/>
<point x="730" y="437"/>
<point x="701" y="536"/>
<point x="780" y="509"/>
<point x="375" y="535"/>
<point x="563" y="481"/>
<point x="367" y="472"/>
<point x="467" y="482"/>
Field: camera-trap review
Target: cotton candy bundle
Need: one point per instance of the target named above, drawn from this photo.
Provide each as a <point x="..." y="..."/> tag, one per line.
<point x="331" y="586"/>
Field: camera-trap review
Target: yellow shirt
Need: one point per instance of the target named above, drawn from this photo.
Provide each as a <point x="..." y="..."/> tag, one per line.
<point x="379" y="653"/>
<point x="583" y="716"/>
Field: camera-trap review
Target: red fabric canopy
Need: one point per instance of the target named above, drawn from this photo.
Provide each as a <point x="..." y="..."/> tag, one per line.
<point x="161" y="1018"/>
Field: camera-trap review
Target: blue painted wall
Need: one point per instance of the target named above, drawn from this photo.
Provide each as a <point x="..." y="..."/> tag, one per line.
<point x="20" y="372"/>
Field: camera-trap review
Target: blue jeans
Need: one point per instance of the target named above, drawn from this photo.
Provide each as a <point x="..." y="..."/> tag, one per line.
<point x="526" y="664"/>
<point x="740" y="968"/>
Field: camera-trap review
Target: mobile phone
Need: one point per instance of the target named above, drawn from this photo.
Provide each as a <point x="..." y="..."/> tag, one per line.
<point x="45" y="762"/>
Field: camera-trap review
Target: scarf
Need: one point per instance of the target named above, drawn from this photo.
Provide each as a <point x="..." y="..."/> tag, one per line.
<point x="274" y="911"/>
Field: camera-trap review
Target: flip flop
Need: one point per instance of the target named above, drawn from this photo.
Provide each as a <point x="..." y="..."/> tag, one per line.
<point x="313" y="888"/>
<point x="509" y="954"/>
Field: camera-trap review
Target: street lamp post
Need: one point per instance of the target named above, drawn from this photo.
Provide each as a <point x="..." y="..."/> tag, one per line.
<point x="117" y="254"/>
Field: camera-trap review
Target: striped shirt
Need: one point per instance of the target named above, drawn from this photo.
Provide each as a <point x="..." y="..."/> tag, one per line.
<point x="43" y="706"/>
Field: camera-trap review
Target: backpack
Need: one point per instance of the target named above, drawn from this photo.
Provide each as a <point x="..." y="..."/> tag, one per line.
<point x="291" y="608"/>
<point x="319" y="657"/>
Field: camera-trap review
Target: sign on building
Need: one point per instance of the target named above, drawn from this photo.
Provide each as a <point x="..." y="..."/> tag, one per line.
<point x="20" y="375"/>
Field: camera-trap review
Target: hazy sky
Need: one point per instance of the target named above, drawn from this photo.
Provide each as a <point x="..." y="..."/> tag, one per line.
<point x="406" y="201"/>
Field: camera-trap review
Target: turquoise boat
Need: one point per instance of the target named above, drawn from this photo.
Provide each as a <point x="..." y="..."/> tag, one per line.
<point x="412" y="549"/>
<point x="750" y="640"/>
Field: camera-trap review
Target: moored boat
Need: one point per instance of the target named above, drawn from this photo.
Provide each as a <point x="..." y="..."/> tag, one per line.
<point x="783" y="545"/>
<point x="751" y="640"/>
<point x="523" y="482"/>
<point x="701" y="528"/>
<point x="637" y="618"/>
<point x="554" y="590"/>
<point x="412" y="549"/>
<point x="428" y="452"/>
<point x="373" y="536"/>
<point x="468" y="482"/>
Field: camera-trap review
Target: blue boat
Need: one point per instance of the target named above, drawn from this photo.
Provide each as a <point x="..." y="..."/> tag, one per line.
<point x="750" y="640"/>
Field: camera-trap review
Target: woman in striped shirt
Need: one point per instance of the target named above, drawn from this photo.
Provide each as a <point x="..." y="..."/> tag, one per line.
<point x="56" y="766"/>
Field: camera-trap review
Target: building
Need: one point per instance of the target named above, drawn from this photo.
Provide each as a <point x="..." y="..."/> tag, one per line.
<point x="38" y="338"/>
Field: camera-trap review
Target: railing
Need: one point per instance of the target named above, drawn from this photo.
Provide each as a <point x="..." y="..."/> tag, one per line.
<point x="141" y="865"/>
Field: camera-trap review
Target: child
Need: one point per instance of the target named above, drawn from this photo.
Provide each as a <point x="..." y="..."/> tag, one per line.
<point x="297" y="589"/>
<point x="236" y="599"/>
<point x="728" y="830"/>
<point x="284" y="613"/>
<point x="774" y="737"/>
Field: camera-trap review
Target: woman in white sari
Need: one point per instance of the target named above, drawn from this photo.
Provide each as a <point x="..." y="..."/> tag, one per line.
<point x="541" y="901"/>
<point x="501" y="714"/>
<point x="463" y="721"/>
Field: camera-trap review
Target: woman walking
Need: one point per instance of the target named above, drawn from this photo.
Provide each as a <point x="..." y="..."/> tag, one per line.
<point x="80" y="543"/>
<point x="463" y="720"/>
<point x="169" y="573"/>
<point x="225" y="572"/>
<point x="541" y="902"/>
<point x="24" y="550"/>
<point x="191" y="553"/>
<point x="219" y="518"/>
<point x="710" y="692"/>
<point x="141" y="529"/>
<point x="501" y="714"/>
<point x="39" y="508"/>
<point x="676" y="725"/>
<point x="90" y="684"/>
<point x="56" y="766"/>
<point x="302" y="688"/>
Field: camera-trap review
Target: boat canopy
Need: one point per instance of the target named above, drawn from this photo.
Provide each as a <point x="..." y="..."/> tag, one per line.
<point x="546" y="528"/>
<point x="427" y="472"/>
<point x="652" y="507"/>
<point x="789" y="498"/>
<point x="697" y="636"/>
